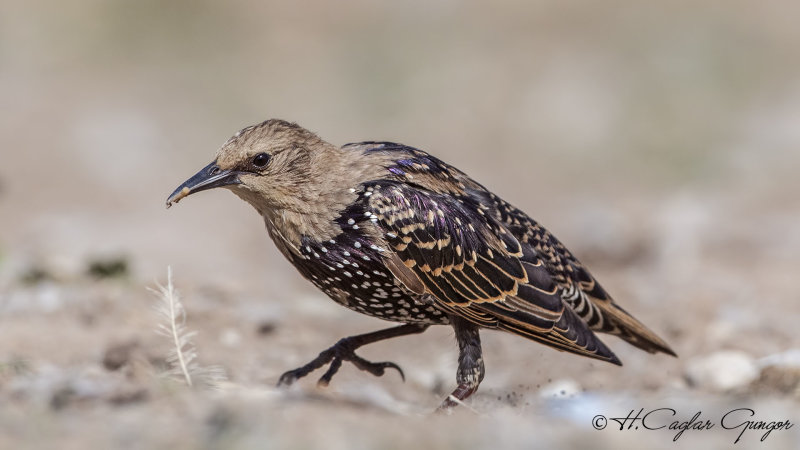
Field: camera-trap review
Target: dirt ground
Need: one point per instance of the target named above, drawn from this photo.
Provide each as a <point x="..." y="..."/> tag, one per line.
<point x="660" y="143"/>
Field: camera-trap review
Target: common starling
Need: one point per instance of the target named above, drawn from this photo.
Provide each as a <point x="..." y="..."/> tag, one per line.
<point x="392" y="232"/>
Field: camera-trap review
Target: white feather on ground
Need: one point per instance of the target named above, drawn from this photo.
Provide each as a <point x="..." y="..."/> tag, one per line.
<point x="182" y="358"/>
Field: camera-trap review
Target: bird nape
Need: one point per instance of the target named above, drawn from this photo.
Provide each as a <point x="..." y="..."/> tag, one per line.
<point x="392" y="232"/>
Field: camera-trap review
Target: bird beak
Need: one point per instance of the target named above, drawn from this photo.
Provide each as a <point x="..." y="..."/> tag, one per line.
<point x="210" y="176"/>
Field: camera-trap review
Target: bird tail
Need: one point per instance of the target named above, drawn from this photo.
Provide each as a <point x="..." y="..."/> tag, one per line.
<point x="620" y="323"/>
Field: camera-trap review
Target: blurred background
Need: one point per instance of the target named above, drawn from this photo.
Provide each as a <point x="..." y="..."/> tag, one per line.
<point x="659" y="141"/>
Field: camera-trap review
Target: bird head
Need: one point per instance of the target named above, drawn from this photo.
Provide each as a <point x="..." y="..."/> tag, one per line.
<point x="295" y="180"/>
<point x="275" y="165"/>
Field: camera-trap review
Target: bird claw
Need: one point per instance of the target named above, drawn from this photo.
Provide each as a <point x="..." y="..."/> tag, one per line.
<point x="325" y="379"/>
<point x="379" y="368"/>
<point x="288" y="378"/>
<point x="456" y="398"/>
<point x="336" y="355"/>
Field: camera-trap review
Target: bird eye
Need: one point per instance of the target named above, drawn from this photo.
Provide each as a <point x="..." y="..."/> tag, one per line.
<point x="261" y="160"/>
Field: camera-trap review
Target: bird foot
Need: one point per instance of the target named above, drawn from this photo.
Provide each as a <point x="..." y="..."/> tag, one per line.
<point x="344" y="350"/>
<point x="456" y="398"/>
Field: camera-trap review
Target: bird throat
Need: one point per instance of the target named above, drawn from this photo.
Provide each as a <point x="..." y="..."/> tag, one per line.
<point x="287" y="228"/>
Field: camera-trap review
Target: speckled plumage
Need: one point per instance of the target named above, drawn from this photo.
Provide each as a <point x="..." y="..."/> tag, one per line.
<point x="390" y="231"/>
<point x="350" y="270"/>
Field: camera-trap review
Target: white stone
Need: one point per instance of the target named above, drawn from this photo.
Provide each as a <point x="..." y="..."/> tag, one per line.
<point x="789" y="358"/>
<point x="721" y="371"/>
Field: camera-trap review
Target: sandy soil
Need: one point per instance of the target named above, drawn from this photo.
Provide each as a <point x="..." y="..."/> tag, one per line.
<point x="659" y="143"/>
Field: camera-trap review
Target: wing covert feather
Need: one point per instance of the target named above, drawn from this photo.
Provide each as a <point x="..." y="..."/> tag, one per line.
<point x="474" y="267"/>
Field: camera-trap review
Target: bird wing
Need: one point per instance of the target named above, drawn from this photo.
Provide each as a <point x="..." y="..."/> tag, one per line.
<point x="580" y="290"/>
<point x="474" y="267"/>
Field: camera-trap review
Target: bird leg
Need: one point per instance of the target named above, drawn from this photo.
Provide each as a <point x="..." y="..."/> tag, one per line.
<point x="470" y="363"/>
<point x="344" y="350"/>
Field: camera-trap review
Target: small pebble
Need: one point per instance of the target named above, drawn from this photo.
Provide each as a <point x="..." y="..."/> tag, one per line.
<point x="721" y="371"/>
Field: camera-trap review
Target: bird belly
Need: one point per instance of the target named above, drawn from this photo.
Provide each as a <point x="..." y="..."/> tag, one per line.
<point x="353" y="274"/>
